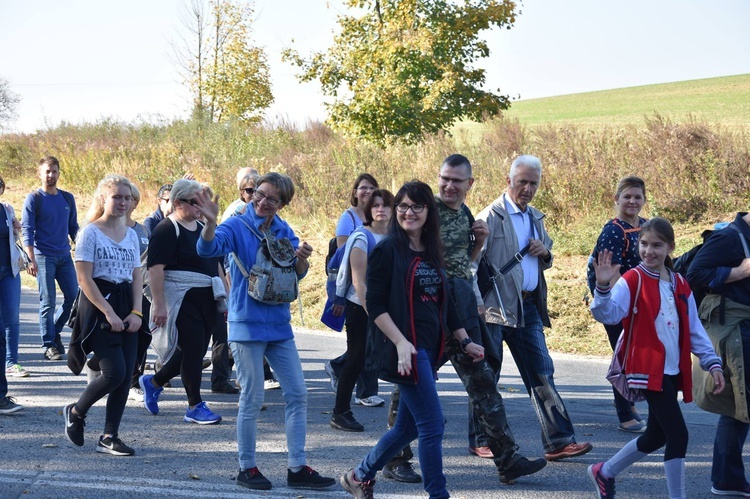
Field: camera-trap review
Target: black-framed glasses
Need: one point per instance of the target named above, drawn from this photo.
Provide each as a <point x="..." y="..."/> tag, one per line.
<point x="248" y="190"/>
<point x="260" y="196"/>
<point x="415" y="208"/>
<point x="454" y="181"/>
<point x="192" y="202"/>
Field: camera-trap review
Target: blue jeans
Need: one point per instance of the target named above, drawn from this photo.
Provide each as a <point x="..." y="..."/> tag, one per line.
<point x="529" y="350"/>
<point x="419" y="416"/>
<point x="285" y="362"/>
<point x="10" y="304"/>
<point x="49" y="270"/>
<point x="728" y="470"/>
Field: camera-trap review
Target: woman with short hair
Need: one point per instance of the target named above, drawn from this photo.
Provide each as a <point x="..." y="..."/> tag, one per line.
<point x="258" y="328"/>
<point x="185" y="288"/>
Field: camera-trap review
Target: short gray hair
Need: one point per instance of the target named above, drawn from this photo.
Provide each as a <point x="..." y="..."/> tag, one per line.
<point x="527" y="161"/>
<point x="282" y="183"/>
<point x="184" y="189"/>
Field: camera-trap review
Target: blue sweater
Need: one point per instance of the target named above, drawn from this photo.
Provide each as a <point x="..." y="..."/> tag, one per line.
<point x="48" y="228"/>
<point x="249" y="320"/>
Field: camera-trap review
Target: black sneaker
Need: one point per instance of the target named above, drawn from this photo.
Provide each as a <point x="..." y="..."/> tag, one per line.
<point x="521" y="467"/>
<point x="225" y="388"/>
<point x="73" y="425"/>
<point x="8" y="405"/>
<point x="113" y="445"/>
<point x="252" y="478"/>
<point x="308" y="478"/>
<point x="346" y="422"/>
<point x="52" y="353"/>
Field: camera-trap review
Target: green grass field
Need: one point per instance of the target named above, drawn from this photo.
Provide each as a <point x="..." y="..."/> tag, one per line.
<point x="724" y="101"/>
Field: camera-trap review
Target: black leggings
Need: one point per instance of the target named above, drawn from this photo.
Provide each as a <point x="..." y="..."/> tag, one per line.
<point x="195" y="320"/>
<point x="116" y="356"/>
<point x="356" y="339"/>
<point x="665" y="422"/>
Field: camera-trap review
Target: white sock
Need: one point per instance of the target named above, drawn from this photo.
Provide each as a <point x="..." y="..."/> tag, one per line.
<point x="675" y="471"/>
<point x="624" y="458"/>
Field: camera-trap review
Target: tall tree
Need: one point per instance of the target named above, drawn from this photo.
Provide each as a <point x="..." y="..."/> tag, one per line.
<point x="228" y="76"/>
<point x="8" y="102"/>
<point x="401" y="68"/>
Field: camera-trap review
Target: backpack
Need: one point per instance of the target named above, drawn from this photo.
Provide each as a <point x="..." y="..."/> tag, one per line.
<point x="332" y="269"/>
<point x="333" y="245"/>
<point x="272" y="279"/>
<point x="590" y="272"/>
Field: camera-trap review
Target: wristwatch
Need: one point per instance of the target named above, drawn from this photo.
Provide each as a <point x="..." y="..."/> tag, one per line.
<point x="465" y="343"/>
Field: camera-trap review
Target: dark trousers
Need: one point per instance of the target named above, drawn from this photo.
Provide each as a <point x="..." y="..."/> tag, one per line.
<point x="356" y="339"/>
<point x="116" y="356"/>
<point x="195" y="321"/>
<point x="665" y="425"/>
<point x="221" y="364"/>
<point x="144" y="340"/>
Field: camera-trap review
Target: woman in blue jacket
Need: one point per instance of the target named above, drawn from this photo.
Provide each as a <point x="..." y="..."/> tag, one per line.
<point x="258" y="329"/>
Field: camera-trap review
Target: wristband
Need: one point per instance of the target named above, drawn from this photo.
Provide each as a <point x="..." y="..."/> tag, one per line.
<point x="136" y="313"/>
<point x="465" y="343"/>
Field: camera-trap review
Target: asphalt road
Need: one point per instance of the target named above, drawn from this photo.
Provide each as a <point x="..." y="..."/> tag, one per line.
<point x="178" y="459"/>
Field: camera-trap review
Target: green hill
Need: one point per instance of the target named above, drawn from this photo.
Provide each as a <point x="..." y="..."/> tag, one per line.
<point x="724" y="100"/>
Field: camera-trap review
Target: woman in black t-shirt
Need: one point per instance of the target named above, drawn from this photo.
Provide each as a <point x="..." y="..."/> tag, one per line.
<point x="411" y="311"/>
<point x="183" y="307"/>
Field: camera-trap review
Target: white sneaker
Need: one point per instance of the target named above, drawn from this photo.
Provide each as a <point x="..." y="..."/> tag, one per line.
<point x="373" y="401"/>
<point x="136" y="394"/>
<point x="16" y="371"/>
<point x="271" y="384"/>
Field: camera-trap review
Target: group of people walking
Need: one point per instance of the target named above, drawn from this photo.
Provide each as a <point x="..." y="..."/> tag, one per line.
<point x="409" y="289"/>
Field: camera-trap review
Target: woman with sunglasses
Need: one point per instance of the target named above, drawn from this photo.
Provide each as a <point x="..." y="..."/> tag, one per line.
<point x="408" y="302"/>
<point x="258" y="329"/>
<point x="185" y="288"/>
<point x="246" y="186"/>
<point x="353" y="218"/>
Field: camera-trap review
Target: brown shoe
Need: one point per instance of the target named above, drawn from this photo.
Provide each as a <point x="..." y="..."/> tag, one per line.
<point x="570" y="450"/>
<point x="484" y="452"/>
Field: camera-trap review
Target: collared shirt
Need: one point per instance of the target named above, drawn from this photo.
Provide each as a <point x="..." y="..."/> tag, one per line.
<point x="524" y="231"/>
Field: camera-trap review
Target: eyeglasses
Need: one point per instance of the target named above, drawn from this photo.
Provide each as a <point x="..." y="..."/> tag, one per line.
<point x="260" y="196"/>
<point x="415" y="208"/>
<point x="192" y="202"/>
<point x="454" y="181"/>
<point x="366" y="188"/>
<point x="248" y="190"/>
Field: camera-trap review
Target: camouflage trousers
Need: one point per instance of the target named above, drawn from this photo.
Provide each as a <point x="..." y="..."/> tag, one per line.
<point x="479" y="381"/>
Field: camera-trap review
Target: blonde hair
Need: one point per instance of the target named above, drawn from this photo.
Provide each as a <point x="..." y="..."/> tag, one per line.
<point x="96" y="210"/>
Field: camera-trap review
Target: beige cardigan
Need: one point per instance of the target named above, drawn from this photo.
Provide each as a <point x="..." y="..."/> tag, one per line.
<point x="732" y="401"/>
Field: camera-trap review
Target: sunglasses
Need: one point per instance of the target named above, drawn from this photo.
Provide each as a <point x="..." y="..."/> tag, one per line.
<point x="248" y="190"/>
<point x="189" y="201"/>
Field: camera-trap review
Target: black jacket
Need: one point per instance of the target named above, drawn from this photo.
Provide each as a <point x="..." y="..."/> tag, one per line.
<point x="389" y="276"/>
<point x="89" y="319"/>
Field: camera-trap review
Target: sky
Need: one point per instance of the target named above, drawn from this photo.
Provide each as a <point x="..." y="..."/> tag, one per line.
<point x="87" y="60"/>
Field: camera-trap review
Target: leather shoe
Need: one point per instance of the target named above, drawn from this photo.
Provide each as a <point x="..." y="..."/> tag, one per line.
<point x="402" y="472"/>
<point x="521" y="467"/>
<point x="482" y="451"/>
<point x="570" y="450"/>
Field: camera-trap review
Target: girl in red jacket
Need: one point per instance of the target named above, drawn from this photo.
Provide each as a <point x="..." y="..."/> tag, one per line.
<point x="661" y="328"/>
